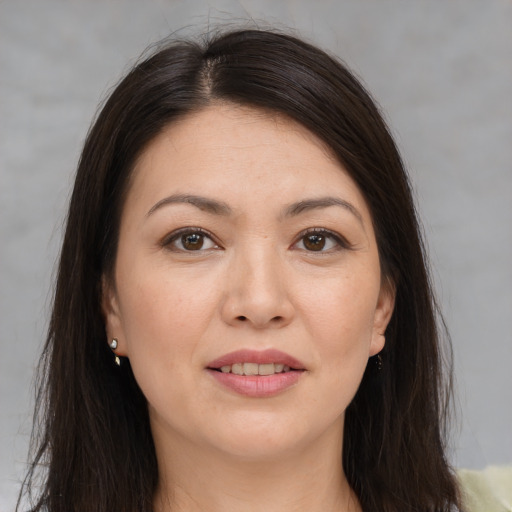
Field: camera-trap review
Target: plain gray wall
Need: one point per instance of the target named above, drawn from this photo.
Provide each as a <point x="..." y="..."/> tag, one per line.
<point x="442" y="72"/>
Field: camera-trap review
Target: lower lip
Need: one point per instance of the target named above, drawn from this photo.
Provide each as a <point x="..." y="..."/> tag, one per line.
<point x="257" y="386"/>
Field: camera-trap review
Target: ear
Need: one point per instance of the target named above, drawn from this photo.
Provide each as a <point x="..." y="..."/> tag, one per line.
<point x="111" y="314"/>
<point x="383" y="313"/>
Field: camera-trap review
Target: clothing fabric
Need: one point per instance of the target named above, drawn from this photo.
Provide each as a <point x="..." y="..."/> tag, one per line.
<point x="489" y="490"/>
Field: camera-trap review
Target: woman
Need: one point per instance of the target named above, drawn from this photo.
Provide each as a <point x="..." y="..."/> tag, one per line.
<point x="243" y="318"/>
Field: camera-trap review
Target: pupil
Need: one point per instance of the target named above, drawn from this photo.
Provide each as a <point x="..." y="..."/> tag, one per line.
<point x="192" y="241"/>
<point x="315" y="242"/>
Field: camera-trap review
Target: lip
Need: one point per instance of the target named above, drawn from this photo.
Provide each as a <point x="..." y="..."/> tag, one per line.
<point x="256" y="356"/>
<point x="257" y="386"/>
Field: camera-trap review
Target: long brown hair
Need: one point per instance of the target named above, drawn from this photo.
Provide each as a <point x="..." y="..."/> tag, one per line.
<point x="92" y="438"/>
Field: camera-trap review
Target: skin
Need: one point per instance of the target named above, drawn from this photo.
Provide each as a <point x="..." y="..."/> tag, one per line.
<point x="254" y="284"/>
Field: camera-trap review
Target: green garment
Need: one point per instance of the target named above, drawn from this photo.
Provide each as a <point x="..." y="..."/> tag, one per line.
<point x="489" y="490"/>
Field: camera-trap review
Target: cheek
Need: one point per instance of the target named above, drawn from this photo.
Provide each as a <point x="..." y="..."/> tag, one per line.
<point x="163" y="322"/>
<point x="163" y="319"/>
<point x="339" y="314"/>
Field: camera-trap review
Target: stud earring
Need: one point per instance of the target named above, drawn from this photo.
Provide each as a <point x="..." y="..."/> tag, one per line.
<point x="378" y="358"/>
<point x="113" y="346"/>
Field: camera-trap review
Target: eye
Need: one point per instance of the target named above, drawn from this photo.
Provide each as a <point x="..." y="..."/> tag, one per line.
<point x="320" y="240"/>
<point x="189" y="240"/>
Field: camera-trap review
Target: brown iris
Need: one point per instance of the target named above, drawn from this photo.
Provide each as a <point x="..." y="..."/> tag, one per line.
<point x="192" y="241"/>
<point x="314" y="242"/>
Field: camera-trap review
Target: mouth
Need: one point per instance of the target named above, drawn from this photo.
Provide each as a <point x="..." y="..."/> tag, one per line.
<point x="256" y="362"/>
<point x="255" y="368"/>
<point x="257" y="374"/>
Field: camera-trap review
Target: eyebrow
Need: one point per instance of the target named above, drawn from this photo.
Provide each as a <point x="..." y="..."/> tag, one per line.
<point x="322" y="202"/>
<point x="203" y="203"/>
<point x="220" y="208"/>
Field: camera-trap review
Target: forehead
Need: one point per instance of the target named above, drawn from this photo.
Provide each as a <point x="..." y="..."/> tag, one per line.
<point x="224" y="126"/>
<point x="229" y="150"/>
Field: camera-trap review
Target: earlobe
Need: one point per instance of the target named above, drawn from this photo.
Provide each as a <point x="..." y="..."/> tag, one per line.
<point x="383" y="313"/>
<point x="111" y="313"/>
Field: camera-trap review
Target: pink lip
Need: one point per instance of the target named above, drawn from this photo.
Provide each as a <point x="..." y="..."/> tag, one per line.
<point x="257" y="386"/>
<point x="255" y="356"/>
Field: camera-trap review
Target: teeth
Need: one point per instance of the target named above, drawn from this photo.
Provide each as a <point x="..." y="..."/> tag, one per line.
<point x="266" y="369"/>
<point x="237" y="369"/>
<point x="255" y="368"/>
<point x="251" y="368"/>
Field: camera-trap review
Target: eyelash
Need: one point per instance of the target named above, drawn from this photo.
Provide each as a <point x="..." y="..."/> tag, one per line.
<point x="340" y="242"/>
<point x="176" y="235"/>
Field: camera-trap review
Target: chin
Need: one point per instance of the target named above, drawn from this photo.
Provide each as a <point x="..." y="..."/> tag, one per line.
<point x="264" y="438"/>
<point x="260" y="447"/>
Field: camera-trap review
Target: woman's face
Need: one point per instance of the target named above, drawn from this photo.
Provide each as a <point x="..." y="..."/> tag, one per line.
<point x="247" y="292"/>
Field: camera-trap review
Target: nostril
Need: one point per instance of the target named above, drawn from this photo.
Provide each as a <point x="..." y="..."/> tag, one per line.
<point x="242" y="318"/>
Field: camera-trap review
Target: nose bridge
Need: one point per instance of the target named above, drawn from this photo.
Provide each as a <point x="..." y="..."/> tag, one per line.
<point x="257" y="292"/>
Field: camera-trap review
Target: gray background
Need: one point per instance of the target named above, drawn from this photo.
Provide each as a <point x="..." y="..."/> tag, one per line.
<point x="442" y="72"/>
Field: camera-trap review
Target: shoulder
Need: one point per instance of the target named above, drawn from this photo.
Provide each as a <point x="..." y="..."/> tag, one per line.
<point x="489" y="490"/>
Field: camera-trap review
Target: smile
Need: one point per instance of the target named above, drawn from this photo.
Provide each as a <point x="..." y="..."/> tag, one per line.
<point x="256" y="362"/>
<point x="256" y="374"/>
<point x="255" y="368"/>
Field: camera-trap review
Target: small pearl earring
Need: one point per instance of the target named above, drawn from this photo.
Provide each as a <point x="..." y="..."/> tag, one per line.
<point x="113" y="346"/>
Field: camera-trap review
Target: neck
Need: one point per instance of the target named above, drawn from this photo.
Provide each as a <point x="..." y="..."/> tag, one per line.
<point x="195" y="480"/>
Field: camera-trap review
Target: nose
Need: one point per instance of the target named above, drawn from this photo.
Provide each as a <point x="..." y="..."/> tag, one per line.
<point x="257" y="293"/>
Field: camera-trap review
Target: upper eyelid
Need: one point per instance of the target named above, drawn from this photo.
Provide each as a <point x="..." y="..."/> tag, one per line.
<point x="343" y="242"/>
<point x="170" y="237"/>
<point x="318" y="230"/>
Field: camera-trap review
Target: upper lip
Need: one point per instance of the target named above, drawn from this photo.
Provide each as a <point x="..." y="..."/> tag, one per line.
<point x="257" y="356"/>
